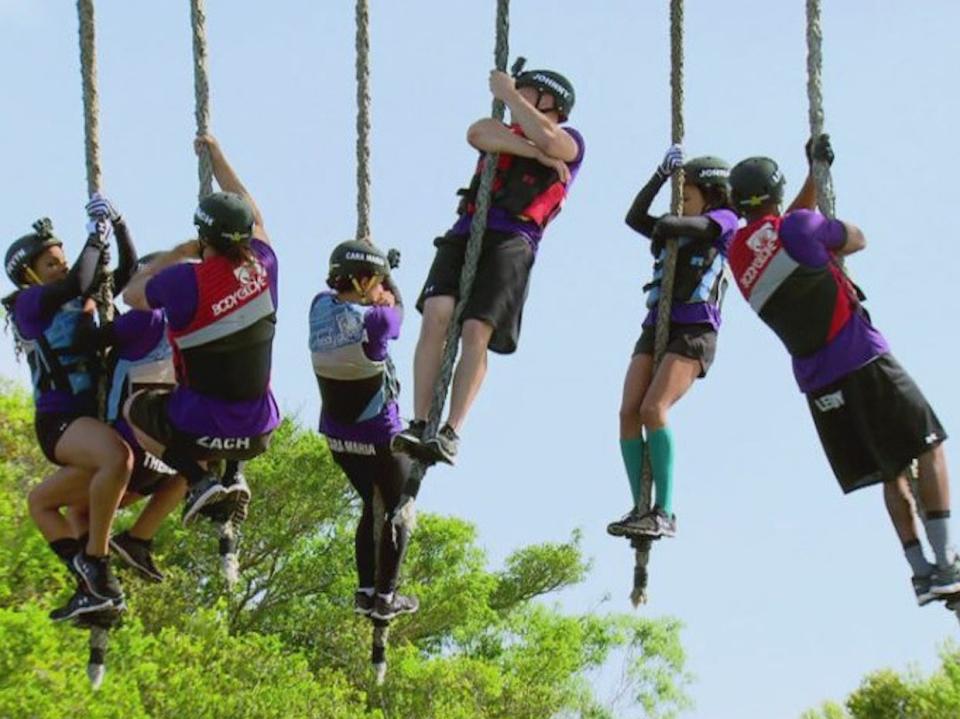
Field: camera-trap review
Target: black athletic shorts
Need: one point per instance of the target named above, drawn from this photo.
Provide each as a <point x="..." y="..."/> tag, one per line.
<point x="148" y="475"/>
<point x="49" y="427"/>
<point x="697" y="341"/>
<point x="873" y="423"/>
<point x="499" y="288"/>
<point x="148" y="413"/>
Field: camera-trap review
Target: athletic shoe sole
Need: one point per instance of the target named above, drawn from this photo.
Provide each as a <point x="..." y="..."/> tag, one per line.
<point x="940" y="590"/>
<point x="413" y="448"/>
<point x="926" y="598"/>
<point x="105" y="604"/>
<point x="392" y="615"/>
<point x="213" y="491"/>
<point x="436" y="453"/>
<point x="143" y="571"/>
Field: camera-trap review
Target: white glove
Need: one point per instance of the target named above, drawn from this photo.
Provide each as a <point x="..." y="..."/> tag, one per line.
<point x="672" y="160"/>
<point x="100" y="208"/>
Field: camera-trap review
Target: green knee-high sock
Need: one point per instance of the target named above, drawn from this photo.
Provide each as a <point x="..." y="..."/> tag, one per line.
<point x="661" y="464"/>
<point x="632" y="451"/>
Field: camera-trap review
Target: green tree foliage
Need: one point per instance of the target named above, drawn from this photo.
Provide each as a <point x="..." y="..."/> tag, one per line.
<point x="285" y="641"/>
<point x="887" y="695"/>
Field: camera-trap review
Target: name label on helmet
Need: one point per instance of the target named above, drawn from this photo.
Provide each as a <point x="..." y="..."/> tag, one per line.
<point x="714" y="172"/>
<point x="203" y="217"/>
<point x="365" y="257"/>
<point x="552" y="84"/>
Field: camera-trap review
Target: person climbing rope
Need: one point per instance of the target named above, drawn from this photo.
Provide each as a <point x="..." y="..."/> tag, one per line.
<point x="141" y="358"/>
<point x="221" y="313"/>
<point x="538" y="160"/>
<point x="49" y="306"/>
<point x="351" y="325"/>
<point x="871" y="417"/>
<point x="704" y="231"/>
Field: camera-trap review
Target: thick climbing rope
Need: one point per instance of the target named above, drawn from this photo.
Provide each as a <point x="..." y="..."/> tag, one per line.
<point x="381" y="627"/>
<point x="201" y="88"/>
<point x="227" y="531"/>
<point x="821" y="170"/>
<point x="642" y="545"/>
<point x="98" y="624"/>
<point x="467" y="274"/>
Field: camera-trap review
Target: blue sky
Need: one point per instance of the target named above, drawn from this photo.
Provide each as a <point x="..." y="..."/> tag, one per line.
<point x="789" y="591"/>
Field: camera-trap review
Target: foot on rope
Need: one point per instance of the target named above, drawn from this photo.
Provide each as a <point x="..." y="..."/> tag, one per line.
<point x="363" y="603"/>
<point x="443" y="447"/>
<point x="136" y="553"/>
<point x="626" y="525"/>
<point x="410" y="442"/>
<point x="207" y="491"/>
<point x="83" y="607"/>
<point x="946" y="580"/>
<point x="96" y="577"/>
<point x="233" y="505"/>
<point x="386" y="607"/>
<point x="921" y="588"/>
<point x="653" y="524"/>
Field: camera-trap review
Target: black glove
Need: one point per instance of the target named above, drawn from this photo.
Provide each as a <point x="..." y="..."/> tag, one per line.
<point x="820" y="149"/>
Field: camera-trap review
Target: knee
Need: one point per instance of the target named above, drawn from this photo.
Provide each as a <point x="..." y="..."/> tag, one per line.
<point x="37" y="501"/>
<point x="629" y="411"/>
<point x="118" y="461"/>
<point x="476" y="335"/>
<point x="436" y="317"/>
<point x="653" y="415"/>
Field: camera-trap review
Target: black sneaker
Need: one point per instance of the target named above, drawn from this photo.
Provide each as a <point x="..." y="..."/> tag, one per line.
<point x="136" y="553"/>
<point x="400" y="604"/>
<point x="410" y="440"/>
<point x="444" y="445"/>
<point x="626" y="525"/>
<point x="207" y="491"/>
<point x="96" y="577"/>
<point x="654" y="523"/>
<point x="238" y="493"/>
<point x="362" y="603"/>
<point x="81" y="603"/>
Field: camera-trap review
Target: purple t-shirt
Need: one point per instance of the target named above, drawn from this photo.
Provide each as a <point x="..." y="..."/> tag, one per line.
<point x="809" y="238"/>
<point x="380" y="326"/>
<point x="500" y="220"/>
<point x="31" y="323"/>
<point x="175" y="291"/>
<point x="692" y="313"/>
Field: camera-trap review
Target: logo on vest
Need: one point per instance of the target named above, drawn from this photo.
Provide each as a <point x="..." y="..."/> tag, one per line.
<point x="224" y="442"/>
<point x="763" y="244"/>
<point x="347" y="446"/>
<point x="828" y="402"/>
<point x="253" y="280"/>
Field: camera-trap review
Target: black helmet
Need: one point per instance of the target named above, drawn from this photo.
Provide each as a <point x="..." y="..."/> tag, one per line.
<point x="26" y="249"/>
<point x="756" y="181"/>
<point x="553" y="82"/>
<point x="224" y="219"/>
<point x="707" y="171"/>
<point x="355" y="258"/>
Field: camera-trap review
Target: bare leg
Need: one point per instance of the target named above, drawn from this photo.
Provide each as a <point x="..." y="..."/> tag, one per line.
<point x="635" y="386"/>
<point x="159" y="506"/>
<point x="934" y="480"/>
<point x="97" y="448"/>
<point x="428" y="356"/>
<point x="674" y="376"/>
<point x="899" y="501"/>
<point x="471" y="369"/>
<point x="65" y="487"/>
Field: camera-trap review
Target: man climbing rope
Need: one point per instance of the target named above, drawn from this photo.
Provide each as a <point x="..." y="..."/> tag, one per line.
<point x="49" y="306"/>
<point x="351" y="326"/>
<point x="222" y="317"/>
<point x="705" y="231"/>
<point x="871" y="417"/>
<point x="538" y="160"/>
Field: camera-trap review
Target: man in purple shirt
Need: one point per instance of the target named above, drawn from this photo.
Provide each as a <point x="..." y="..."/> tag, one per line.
<point x="703" y="230"/>
<point x="538" y="160"/>
<point x="350" y="327"/>
<point x="222" y="317"/>
<point x="871" y="417"/>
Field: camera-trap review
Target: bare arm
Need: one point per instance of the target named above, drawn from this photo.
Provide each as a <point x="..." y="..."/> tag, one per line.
<point x="135" y="294"/>
<point x="806" y="199"/>
<point x="856" y="240"/>
<point x="229" y="181"/>
<point x="489" y="135"/>
<point x="548" y="136"/>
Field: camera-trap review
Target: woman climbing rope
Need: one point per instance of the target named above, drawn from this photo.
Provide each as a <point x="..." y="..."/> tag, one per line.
<point x="47" y="309"/>
<point x="871" y="417"/>
<point x="351" y="326"/>
<point x="222" y="317"/>
<point x="537" y="163"/>
<point x="141" y="358"/>
<point x="704" y="231"/>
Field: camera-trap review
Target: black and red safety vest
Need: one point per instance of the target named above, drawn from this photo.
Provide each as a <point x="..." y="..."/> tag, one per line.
<point x="225" y="350"/>
<point x="805" y="306"/>
<point x="525" y="188"/>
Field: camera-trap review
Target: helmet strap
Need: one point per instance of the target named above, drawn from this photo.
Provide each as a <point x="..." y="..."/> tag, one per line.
<point x="32" y="276"/>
